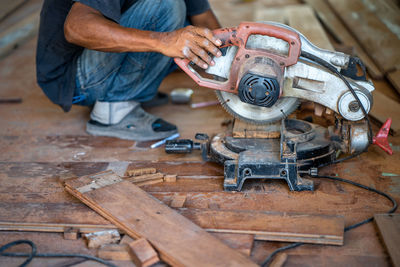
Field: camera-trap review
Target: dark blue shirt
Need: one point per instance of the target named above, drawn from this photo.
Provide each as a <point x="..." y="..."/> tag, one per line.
<point x="56" y="58"/>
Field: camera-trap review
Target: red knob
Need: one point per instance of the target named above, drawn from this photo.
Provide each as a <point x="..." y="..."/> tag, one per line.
<point x="381" y="138"/>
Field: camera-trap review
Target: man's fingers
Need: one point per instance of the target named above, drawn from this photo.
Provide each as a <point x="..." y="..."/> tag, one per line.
<point x="209" y="35"/>
<point x="200" y="52"/>
<point x="208" y="46"/>
<point x="195" y="59"/>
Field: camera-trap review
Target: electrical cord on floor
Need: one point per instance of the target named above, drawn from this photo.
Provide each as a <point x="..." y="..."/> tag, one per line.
<point x="268" y="260"/>
<point x="33" y="254"/>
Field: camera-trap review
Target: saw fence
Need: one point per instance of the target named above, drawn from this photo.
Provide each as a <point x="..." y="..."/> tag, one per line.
<point x="148" y="207"/>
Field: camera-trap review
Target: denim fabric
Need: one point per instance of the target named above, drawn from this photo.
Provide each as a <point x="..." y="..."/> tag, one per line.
<point x="113" y="77"/>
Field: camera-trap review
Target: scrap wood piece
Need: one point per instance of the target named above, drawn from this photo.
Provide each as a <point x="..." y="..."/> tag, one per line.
<point x="177" y="201"/>
<point x="142" y="253"/>
<point x="141" y="171"/>
<point x="170" y="178"/>
<point x="340" y="32"/>
<point x="271" y="226"/>
<point x="385" y="107"/>
<point x="372" y="34"/>
<point x="179" y="241"/>
<point x="389" y="229"/>
<point x="115" y="252"/>
<point x="98" y="239"/>
<point x="145" y="177"/>
<point x="71" y="233"/>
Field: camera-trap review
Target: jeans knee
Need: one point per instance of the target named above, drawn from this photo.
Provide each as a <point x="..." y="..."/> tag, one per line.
<point x="173" y="13"/>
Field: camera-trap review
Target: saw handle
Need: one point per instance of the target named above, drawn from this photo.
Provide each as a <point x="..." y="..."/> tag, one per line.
<point x="238" y="36"/>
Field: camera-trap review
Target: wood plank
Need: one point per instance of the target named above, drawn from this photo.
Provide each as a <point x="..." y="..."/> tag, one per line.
<point x="303" y="19"/>
<point x="384" y="108"/>
<point x="388" y="12"/>
<point x="394" y="78"/>
<point x="142" y="253"/>
<point x="340" y="32"/>
<point x="372" y="34"/>
<point x="179" y="241"/>
<point x="271" y="226"/>
<point x="243" y="129"/>
<point x="19" y="33"/>
<point x="9" y="6"/>
<point x="389" y="229"/>
<point x="270" y="14"/>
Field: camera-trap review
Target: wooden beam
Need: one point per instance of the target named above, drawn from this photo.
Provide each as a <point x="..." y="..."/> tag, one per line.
<point x="271" y="226"/>
<point x="9" y="6"/>
<point x="372" y="34"/>
<point x="389" y="229"/>
<point x="179" y="241"/>
<point x="340" y="32"/>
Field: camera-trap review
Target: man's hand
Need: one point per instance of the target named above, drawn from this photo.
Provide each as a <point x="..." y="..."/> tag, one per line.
<point x="193" y="43"/>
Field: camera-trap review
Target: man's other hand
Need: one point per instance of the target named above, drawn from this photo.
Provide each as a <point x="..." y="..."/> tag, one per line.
<point x="193" y="43"/>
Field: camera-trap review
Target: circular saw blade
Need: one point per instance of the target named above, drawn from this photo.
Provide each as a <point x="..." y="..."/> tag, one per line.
<point x="255" y="114"/>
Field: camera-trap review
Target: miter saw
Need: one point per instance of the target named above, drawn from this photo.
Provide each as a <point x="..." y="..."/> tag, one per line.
<point x="266" y="70"/>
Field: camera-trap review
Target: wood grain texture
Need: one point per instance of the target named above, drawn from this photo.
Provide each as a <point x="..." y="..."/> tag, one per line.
<point x="8" y="6"/>
<point x="271" y="226"/>
<point x="246" y="130"/>
<point x="389" y="229"/>
<point x="384" y="108"/>
<point x="179" y="241"/>
<point x="340" y="32"/>
<point x="142" y="253"/>
<point x="303" y="19"/>
<point x="394" y="78"/>
<point x="372" y="34"/>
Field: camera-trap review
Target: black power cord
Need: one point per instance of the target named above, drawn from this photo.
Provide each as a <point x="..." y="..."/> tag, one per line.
<point x="268" y="260"/>
<point x="332" y="68"/>
<point x="34" y="254"/>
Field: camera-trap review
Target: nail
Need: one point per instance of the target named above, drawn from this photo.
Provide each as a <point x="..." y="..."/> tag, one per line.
<point x="212" y="63"/>
<point x="219" y="54"/>
<point x="219" y="42"/>
<point x="205" y="66"/>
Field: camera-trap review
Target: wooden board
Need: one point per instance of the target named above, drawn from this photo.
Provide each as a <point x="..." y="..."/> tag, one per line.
<point x="340" y="32"/>
<point x="246" y="130"/>
<point x="303" y="19"/>
<point x="179" y="241"/>
<point x="271" y="226"/>
<point x="270" y="14"/>
<point x="19" y="33"/>
<point x="389" y="229"/>
<point x="394" y="78"/>
<point x="373" y="35"/>
<point x="8" y="6"/>
<point x="384" y="108"/>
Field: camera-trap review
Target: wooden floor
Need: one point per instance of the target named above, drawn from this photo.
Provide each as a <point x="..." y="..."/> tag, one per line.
<point x="39" y="143"/>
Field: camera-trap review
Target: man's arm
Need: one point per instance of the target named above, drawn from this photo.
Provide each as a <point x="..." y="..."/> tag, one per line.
<point x="87" y="27"/>
<point x="206" y="20"/>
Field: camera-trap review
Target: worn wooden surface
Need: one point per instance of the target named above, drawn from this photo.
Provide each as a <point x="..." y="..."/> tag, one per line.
<point x="179" y="241"/>
<point x="9" y="6"/>
<point x="385" y="107"/>
<point x="394" y="78"/>
<point x="389" y="229"/>
<point x="40" y="143"/>
<point x="372" y="34"/>
<point x="341" y="34"/>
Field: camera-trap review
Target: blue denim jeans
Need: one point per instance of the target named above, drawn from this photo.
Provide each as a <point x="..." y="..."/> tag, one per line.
<point x="110" y="77"/>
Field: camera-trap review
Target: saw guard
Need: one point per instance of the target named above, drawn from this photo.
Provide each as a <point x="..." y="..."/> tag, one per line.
<point x="238" y="36"/>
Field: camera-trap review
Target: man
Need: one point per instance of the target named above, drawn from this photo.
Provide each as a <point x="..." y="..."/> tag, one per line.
<point x="113" y="54"/>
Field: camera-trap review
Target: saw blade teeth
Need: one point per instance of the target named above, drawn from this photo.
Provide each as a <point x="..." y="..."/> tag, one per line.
<point x="284" y="111"/>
